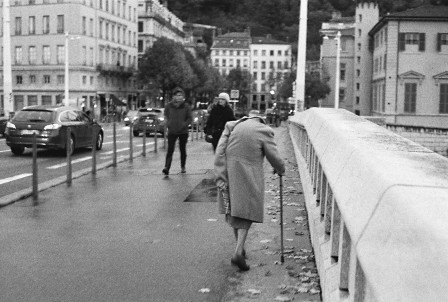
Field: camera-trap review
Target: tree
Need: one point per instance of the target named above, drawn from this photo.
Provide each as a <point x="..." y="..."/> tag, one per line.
<point x="166" y="65"/>
<point x="241" y="80"/>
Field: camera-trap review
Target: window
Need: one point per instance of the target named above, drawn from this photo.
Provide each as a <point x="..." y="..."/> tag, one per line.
<point x="255" y="64"/>
<point x="341" y="94"/>
<point x="61" y="79"/>
<point x="285" y="65"/>
<point x="18" y="55"/>
<point x="343" y="44"/>
<point x="216" y="62"/>
<point x="101" y="29"/>
<point x="32" y="1"/>
<point x="84" y="25"/>
<point x="224" y="62"/>
<point x="443" y="106"/>
<point x="230" y="62"/>
<point x="263" y="75"/>
<point x="46" y="54"/>
<point x="358" y="86"/>
<point x="271" y="64"/>
<point x="255" y="52"/>
<point x="358" y="73"/>
<point x="357" y="100"/>
<point x="442" y="41"/>
<point x="32" y="79"/>
<point x="19" y="79"/>
<point x="359" y="46"/>
<point x="46" y="24"/>
<point x="61" y="54"/>
<point x="410" y="97"/>
<point x="18" y="26"/>
<point x="46" y="100"/>
<point x="271" y="53"/>
<point x="32" y="25"/>
<point x="342" y="71"/>
<point x="245" y="62"/>
<point x="91" y="56"/>
<point x="60" y="29"/>
<point x="32" y="55"/>
<point x="91" y="27"/>
<point x="107" y="31"/>
<point x="255" y="75"/>
<point x="358" y="59"/>
<point x="279" y="65"/>
<point x="230" y="52"/>
<point x="411" y="42"/>
<point x="263" y="52"/>
<point x="263" y="64"/>
<point x="279" y="53"/>
<point x="32" y="100"/>
<point x="113" y="32"/>
<point x="84" y="80"/>
<point x="360" y="17"/>
<point x="47" y="79"/>
<point x="238" y="62"/>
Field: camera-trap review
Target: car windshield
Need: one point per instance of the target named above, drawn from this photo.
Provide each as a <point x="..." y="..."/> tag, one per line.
<point x="42" y="116"/>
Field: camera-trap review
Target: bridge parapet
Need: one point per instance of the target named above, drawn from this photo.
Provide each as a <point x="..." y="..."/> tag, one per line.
<point x="377" y="206"/>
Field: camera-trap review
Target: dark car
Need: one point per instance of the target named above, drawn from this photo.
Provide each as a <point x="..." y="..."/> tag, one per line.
<point x="151" y="118"/>
<point x="3" y="121"/>
<point x="50" y="124"/>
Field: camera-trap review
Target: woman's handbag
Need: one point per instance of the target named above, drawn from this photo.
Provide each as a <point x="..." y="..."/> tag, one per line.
<point x="223" y="194"/>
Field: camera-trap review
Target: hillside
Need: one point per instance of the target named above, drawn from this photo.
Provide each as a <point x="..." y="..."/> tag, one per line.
<point x="277" y="17"/>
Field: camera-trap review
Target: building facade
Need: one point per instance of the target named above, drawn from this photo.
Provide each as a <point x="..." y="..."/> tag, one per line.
<point x="270" y="63"/>
<point x="410" y="67"/>
<point x="267" y="60"/>
<point x="355" y="69"/>
<point x="155" y="20"/>
<point x="102" y="52"/>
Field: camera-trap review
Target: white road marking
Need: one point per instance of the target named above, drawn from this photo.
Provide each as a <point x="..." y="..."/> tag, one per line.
<point x="118" y="150"/>
<point x="2" y="151"/>
<point x="9" y="179"/>
<point x="109" y="143"/>
<point x="65" y="164"/>
<point x="147" y="144"/>
<point x="118" y="135"/>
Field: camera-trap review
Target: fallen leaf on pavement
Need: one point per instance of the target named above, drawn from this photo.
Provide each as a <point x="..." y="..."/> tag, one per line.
<point x="212" y="219"/>
<point x="265" y="241"/>
<point x="204" y="290"/>
<point x="254" y="291"/>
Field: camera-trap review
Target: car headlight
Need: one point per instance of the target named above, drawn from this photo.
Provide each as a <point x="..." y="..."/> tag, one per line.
<point x="10" y="125"/>
<point x="195" y="119"/>
<point x="161" y="118"/>
<point x="52" y="127"/>
<point x="126" y="119"/>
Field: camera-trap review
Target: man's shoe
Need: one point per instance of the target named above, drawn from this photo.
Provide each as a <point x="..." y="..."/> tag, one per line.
<point x="240" y="262"/>
<point x="182" y="170"/>
<point x="165" y="171"/>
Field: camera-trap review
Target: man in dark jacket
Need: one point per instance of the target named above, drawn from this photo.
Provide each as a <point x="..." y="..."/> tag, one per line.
<point x="177" y="116"/>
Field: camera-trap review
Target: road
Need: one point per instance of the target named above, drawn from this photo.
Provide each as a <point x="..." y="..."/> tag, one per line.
<point x="16" y="171"/>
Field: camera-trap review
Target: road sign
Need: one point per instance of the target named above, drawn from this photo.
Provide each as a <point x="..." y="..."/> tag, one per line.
<point x="234" y="94"/>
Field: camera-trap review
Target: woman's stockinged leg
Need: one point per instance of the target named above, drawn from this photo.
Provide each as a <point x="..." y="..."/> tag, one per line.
<point x="241" y="240"/>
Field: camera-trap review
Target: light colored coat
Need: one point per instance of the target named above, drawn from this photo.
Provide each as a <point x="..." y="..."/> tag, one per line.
<point x="239" y="164"/>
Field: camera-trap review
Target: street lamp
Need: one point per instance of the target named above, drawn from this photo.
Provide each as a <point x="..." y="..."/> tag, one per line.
<point x="338" y="69"/>
<point x="67" y="38"/>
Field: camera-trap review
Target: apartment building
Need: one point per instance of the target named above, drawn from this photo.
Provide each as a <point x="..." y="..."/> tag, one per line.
<point x="355" y="66"/>
<point x="155" y="20"/>
<point x="270" y="63"/>
<point x="410" y="67"/>
<point x="266" y="59"/>
<point x="102" y="52"/>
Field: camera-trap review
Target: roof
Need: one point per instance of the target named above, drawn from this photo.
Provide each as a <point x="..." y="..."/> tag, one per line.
<point x="235" y="35"/>
<point x="267" y="40"/>
<point x="419" y="14"/>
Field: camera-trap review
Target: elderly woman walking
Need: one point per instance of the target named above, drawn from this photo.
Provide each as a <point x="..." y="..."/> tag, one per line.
<point x="239" y="176"/>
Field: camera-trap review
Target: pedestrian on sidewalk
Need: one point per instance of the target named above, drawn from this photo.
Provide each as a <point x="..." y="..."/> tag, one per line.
<point x="177" y="116"/>
<point x="239" y="174"/>
<point x="220" y="114"/>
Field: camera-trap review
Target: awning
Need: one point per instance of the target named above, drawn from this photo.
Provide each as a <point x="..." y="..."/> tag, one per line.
<point x="116" y="101"/>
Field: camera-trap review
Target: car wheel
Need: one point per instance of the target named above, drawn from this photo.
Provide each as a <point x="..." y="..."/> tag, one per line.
<point x="17" y="150"/>
<point x="99" y="141"/>
<point x="136" y="133"/>
<point x="72" y="146"/>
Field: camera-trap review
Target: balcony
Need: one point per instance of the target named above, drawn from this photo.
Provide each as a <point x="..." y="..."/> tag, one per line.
<point x="115" y="70"/>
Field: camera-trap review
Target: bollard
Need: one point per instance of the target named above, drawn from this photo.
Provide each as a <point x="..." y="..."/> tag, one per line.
<point x="35" y="189"/>
<point x="197" y="130"/>
<point x="144" y="140"/>
<point x="130" y="142"/>
<point x="114" y="158"/>
<point x="93" y="151"/>
<point x="202" y="128"/>
<point x="156" y="127"/>
<point x="69" y="156"/>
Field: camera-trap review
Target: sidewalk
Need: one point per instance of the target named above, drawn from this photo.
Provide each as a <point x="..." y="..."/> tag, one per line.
<point x="267" y="280"/>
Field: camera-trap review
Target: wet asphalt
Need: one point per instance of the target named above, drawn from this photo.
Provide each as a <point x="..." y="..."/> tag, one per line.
<point x="126" y="234"/>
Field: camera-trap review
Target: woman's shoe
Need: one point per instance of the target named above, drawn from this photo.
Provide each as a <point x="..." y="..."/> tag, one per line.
<point x="240" y="262"/>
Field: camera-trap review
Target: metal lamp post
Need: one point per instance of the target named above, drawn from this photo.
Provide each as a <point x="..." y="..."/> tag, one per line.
<point x="67" y="38"/>
<point x="338" y="68"/>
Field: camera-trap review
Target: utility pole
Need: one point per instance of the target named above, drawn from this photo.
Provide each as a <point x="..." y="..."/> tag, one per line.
<point x="7" y="69"/>
<point x="301" y="56"/>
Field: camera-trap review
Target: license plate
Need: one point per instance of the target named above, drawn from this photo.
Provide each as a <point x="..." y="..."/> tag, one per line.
<point x="29" y="132"/>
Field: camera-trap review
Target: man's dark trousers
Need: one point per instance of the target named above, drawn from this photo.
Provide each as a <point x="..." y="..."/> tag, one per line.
<point x="172" y="138"/>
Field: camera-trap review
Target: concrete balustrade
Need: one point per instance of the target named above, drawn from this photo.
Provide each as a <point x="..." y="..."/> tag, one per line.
<point x="377" y="206"/>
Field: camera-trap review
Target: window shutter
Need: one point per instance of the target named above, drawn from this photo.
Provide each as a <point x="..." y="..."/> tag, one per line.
<point x="421" y="41"/>
<point x="439" y="42"/>
<point x="401" y="42"/>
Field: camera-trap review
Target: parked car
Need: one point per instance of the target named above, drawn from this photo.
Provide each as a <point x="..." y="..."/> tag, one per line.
<point x="50" y="124"/>
<point x="3" y="121"/>
<point x="131" y="115"/>
<point x="153" y="118"/>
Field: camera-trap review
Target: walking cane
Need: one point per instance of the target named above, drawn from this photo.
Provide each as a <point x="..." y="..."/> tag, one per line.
<point x="282" y="258"/>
